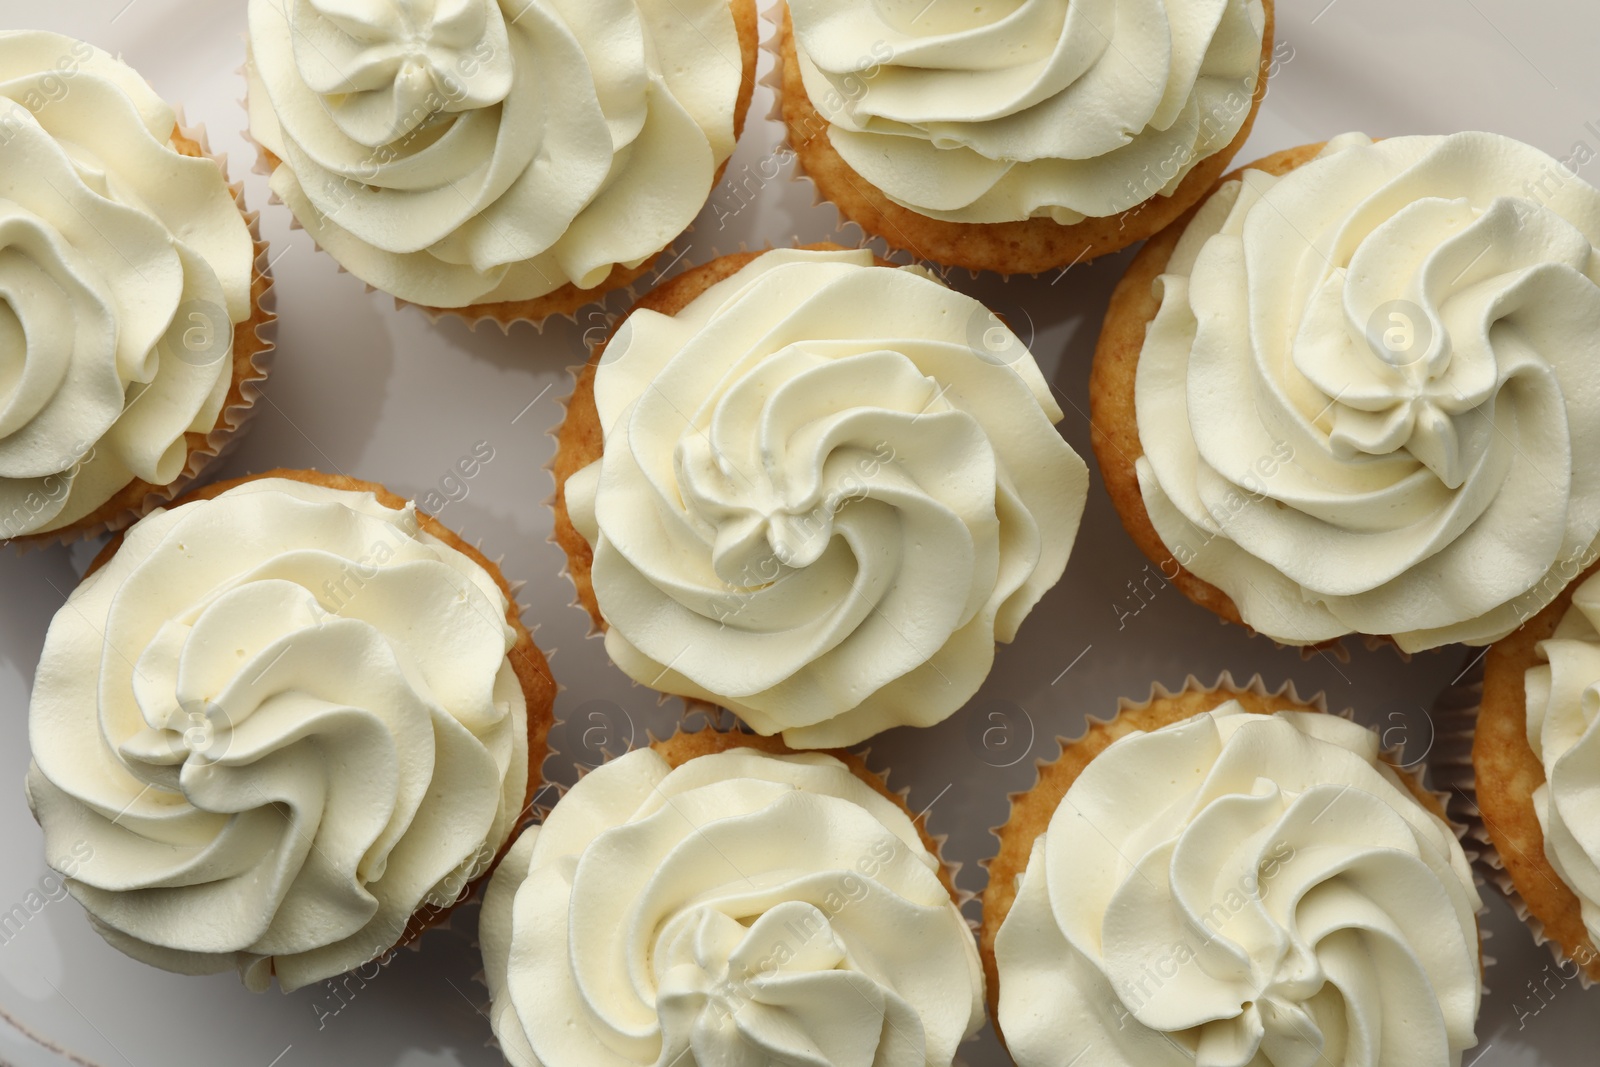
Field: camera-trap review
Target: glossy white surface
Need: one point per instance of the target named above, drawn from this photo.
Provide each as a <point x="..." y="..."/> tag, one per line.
<point x="389" y="396"/>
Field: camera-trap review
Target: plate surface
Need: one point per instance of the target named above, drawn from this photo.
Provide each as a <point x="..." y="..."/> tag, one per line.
<point x="386" y="395"/>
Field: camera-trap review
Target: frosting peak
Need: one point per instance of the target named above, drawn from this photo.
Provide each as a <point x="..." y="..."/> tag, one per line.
<point x="124" y="267"/>
<point x="827" y="489"/>
<point x="285" y="720"/>
<point x="1368" y="400"/>
<point x="420" y="146"/>
<point x="1236" y="891"/>
<point x="741" y="908"/>
<point x="998" y="112"/>
<point x="379" y="66"/>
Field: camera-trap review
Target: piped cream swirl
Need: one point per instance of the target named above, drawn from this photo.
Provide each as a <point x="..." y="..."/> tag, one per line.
<point x="827" y="489"/>
<point x="455" y="152"/>
<point x="1370" y="400"/>
<point x="285" y="722"/>
<point x="1242" y="890"/>
<point x="124" y="266"/>
<point x="1003" y="111"/>
<point x="1563" y="707"/>
<point x="741" y="908"/>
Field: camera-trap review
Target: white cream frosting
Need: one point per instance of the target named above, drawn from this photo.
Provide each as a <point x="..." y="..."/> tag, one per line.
<point x="455" y="152"/>
<point x="827" y="489"/>
<point x="285" y="721"/>
<point x="124" y="266"/>
<point x="1370" y="400"/>
<point x="1563" y="705"/>
<point x="743" y="908"/>
<point x="1236" y="890"/>
<point x="1007" y="110"/>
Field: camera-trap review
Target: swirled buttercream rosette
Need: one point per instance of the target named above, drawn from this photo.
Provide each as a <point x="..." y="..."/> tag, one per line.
<point x="1528" y="791"/>
<point x="1354" y="392"/>
<point x="718" y="899"/>
<point x="133" y="291"/>
<point x="1231" y="876"/>
<point x="815" y="490"/>
<point x="282" y="727"/>
<point x="1024" y="137"/>
<point x="497" y="159"/>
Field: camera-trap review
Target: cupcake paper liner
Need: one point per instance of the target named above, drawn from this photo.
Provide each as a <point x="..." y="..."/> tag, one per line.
<point x="1455" y="714"/>
<point x="253" y="350"/>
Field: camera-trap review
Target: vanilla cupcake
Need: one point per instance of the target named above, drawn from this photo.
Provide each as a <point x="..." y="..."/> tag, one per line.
<point x="503" y="159"/>
<point x="814" y="490"/>
<point x="282" y="727"/>
<point x="1020" y="138"/>
<point x="716" y="900"/>
<point x="1359" y="391"/>
<point x="1537" y="778"/>
<point x="1231" y="876"/>
<point x="132" y="304"/>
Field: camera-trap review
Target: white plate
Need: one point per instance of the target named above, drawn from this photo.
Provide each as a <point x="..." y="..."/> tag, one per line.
<point x="388" y="396"/>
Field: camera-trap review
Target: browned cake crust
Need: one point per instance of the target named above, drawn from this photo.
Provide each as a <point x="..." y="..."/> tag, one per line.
<point x="1507" y="772"/>
<point x="132" y="501"/>
<point x="1025" y="247"/>
<point x="682" y="747"/>
<point x="1114" y="429"/>
<point x="1031" y="811"/>
<point x="533" y="672"/>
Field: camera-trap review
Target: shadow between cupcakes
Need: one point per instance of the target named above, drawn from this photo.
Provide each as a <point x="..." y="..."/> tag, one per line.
<point x="1029" y="246"/>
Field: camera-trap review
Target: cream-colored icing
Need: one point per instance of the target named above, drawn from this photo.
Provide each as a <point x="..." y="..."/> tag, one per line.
<point x="284" y="721"/>
<point x="456" y="152"/>
<point x="742" y="908"/>
<point x="1369" y="401"/>
<point x="828" y="488"/>
<point x="124" y="267"/>
<point x="1242" y="890"/>
<point x="1010" y="109"/>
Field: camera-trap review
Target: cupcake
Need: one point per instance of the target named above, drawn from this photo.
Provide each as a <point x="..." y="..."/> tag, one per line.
<point x="715" y="899"/>
<point x="814" y="490"/>
<point x="1358" y="391"/>
<point x="282" y="727"/>
<point x="1226" y="876"/>
<point x="1536" y="778"/>
<point x="132" y="306"/>
<point x="500" y="159"/>
<point x="1023" y="138"/>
